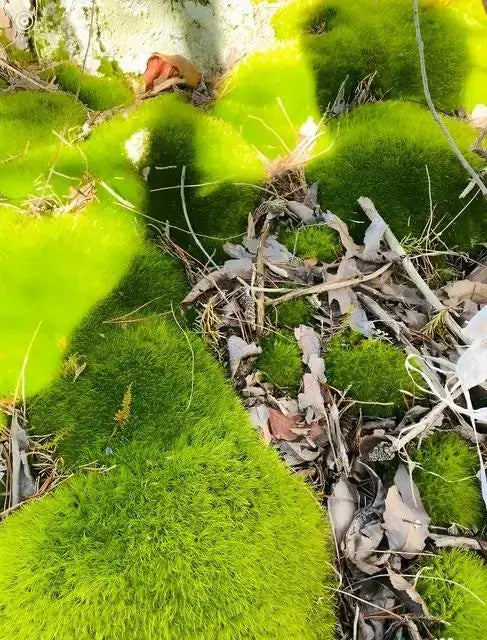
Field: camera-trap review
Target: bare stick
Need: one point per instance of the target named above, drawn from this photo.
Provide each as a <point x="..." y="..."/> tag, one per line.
<point x="260" y="278"/>
<point x="463" y="161"/>
<point x="327" y="286"/>
<point x="430" y="297"/>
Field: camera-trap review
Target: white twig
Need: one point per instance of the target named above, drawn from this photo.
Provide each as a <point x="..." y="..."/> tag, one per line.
<point x="463" y="161"/>
<point x="430" y="297"/>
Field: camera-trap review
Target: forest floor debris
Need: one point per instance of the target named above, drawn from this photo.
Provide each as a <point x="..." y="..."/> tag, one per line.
<point x="378" y="289"/>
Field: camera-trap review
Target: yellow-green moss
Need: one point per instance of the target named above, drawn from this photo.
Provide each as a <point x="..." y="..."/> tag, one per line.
<point x="292" y="313"/>
<point x="447" y="482"/>
<point x="351" y="39"/>
<point x="222" y="171"/>
<point x="268" y="97"/>
<point x="186" y="534"/>
<point x="103" y="92"/>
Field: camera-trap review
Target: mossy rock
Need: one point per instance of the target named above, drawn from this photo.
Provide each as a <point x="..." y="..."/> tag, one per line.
<point x="385" y="151"/>
<point x="446" y="479"/>
<point x="372" y="370"/>
<point x="453" y="584"/>
<point x="54" y="268"/>
<point x="268" y="97"/>
<point x="316" y="242"/>
<point x="347" y="41"/>
<point x="101" y="92"/>
<point x="280" y="360"/>
<point x="193" y="534"/>
<point x="29" y="120"/>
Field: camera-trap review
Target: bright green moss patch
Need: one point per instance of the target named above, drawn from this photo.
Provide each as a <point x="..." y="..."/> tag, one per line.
<point x="292" y="313"/>
<point x="318" y="242"/>
<point x="103" y="92"/>
<point x="382" y="151"/>
<point x="372" y="370"/>
<point x="352" y="39"/>
<point x="268" y="97"/>
<point x="446" y="478"/>
<point x="53" y="269"/>
<point x="281" y="360"/>
<point x="28" y="120"/>
<point x="455" y="590"/>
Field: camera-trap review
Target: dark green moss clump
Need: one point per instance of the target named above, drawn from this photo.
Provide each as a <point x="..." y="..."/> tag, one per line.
<point x="100" y="93"/>
<point x="446" y="479"/>
<point x="351" y="39"/>
<point x="292" y="313"/>
<point x="317" y="241"/>
<point x="222" y="172"/>
<point x="372" y="370"/>
<point x="454" y="587"/>
<point x="382" y="151"/>
<point x="281" y="360"/>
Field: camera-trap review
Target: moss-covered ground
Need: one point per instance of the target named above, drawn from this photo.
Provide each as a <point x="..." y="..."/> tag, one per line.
<point x="177" y="521"/>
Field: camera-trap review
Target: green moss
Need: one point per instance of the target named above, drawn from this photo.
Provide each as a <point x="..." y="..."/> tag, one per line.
<point x="382" y="151"/>
<point x="447" y="481"/>
<point x="191" y="543"/>
<point x="185" y="538"/>
<point x="178" y="135"/>
<point x="16" y="55"/>
<point x="268" y="97"/>
<point x="28" y="120"/>
<point x="352" y="39"/>
<point x="455" y="590"/>
<point x="280" y="360"/>
<point x="101" y="93"/>
<point x="318" y="242"/>
<point x="54" y="269"/>
<point x="293" y="312"/>
<point x="372" y="370"/>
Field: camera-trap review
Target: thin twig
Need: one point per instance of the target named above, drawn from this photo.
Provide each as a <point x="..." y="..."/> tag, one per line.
<point x="327" y="286"/>
<point x="188" y="222"/>
<point x="260" y="278"/>
<point x="463" y="161"/>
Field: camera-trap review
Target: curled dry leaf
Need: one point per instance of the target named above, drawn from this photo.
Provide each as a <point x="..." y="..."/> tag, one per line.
<point x="399" y="583"/>
<point x="281" y="426"/>
<point x="238" y="350"/>
<point x="342" y="506"/>
<point x="311" y="399"/>
<point x="466" y="290"/>
<point x="259" y="416"/>
<point x="405" y="519"/>
<point x="164" y="67"/>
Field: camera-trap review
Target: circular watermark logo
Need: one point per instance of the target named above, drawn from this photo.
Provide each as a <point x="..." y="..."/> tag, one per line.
<point x="23" y="21"/>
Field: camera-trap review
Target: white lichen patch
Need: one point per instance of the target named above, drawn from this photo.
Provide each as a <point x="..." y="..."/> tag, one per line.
<point x="137" y="146"/>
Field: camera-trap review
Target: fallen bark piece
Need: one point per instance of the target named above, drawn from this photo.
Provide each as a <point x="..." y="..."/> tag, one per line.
<point x="238" y="350"/>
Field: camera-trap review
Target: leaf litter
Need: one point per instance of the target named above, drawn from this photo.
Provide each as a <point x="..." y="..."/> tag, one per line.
<point x="379" y="523"/>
